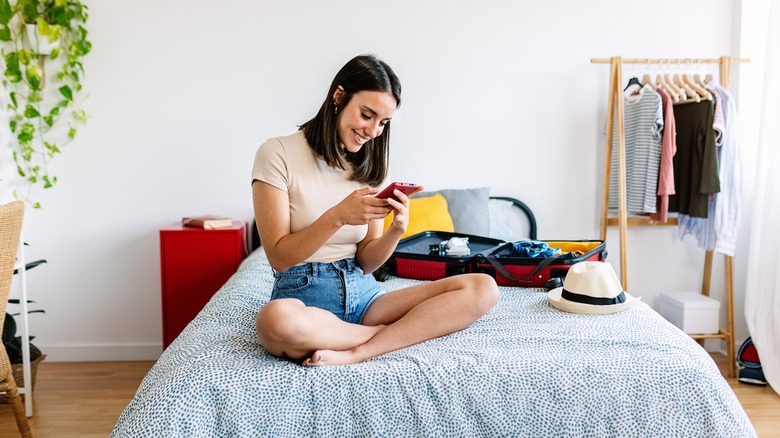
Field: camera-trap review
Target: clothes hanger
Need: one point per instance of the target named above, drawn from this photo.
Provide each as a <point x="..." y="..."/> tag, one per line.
<point x="697" y="77"/>
<point x="696" y="86"/>
<point x="633" y="86"/>
<point x="689" y="93"/>
<point x="664" y="81"/>
<point x="647" y="79"/>
<point x="677" y="90"/>
<point x="701" y="91"/>
<point x="671" y="84"/>
<point x="632" y="81"/>
<point x="707" y="78"/>
<point x="662" y="84"/>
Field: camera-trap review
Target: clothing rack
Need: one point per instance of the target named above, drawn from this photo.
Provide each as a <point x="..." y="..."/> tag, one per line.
<point x="623" y="221"/>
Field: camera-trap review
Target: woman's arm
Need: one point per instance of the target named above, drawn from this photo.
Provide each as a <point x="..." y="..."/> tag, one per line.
<point x="285" y="249"/>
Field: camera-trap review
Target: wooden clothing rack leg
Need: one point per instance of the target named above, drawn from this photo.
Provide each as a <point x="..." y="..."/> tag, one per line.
<point x="615" y="108"/>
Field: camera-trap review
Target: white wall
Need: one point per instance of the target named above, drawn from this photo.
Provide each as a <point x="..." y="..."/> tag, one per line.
<point x="495" y="93"/>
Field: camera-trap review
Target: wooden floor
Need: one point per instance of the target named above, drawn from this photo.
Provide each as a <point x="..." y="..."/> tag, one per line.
<point x="85" y="399"/>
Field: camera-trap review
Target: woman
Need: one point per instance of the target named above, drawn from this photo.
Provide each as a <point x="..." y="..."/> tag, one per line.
<point x="321" y="229"/>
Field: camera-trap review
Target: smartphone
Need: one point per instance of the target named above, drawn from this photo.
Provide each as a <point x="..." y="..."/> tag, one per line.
<point x="387" y="192"/>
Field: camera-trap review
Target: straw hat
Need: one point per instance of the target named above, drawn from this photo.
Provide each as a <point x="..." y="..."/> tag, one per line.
<point x="591" y="288"/>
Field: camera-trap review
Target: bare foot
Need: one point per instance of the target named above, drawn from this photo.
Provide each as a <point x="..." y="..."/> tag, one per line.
<point x="331" y="357"/>
<point x="341" y="357"/>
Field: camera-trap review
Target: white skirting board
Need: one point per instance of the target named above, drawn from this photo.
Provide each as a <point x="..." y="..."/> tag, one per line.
<point x="100" y="353"/>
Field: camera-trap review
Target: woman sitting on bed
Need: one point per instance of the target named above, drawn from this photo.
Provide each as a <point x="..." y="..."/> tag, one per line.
<point x="321" y="229"/>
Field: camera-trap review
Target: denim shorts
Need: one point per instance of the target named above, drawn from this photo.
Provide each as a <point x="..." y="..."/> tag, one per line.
<point x="339" y="287"/>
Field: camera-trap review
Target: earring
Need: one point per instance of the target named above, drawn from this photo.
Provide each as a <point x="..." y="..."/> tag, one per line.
<point x="335" y="109"/>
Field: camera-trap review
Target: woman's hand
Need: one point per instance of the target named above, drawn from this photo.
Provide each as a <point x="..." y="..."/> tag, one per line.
<point x="376" y="247"/>
<point x="401" y="210"/>
<point x="360" y="208"/>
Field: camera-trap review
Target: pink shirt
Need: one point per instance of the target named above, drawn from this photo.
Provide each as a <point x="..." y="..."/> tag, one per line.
<point x="666" y="170"/>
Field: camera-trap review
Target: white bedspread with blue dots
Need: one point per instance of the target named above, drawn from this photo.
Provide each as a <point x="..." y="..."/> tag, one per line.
<point x="525" y="369"/>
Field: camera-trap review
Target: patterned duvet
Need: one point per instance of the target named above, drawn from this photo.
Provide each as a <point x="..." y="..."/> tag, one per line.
<point x="524" y="369"/>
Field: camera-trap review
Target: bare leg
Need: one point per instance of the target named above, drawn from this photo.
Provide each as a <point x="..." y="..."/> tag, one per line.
<point x="417" y="314"/>
<point x="288" y="328"/>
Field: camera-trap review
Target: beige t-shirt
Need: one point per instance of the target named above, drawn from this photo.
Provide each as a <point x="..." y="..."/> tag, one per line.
<point x="289" y="164"/>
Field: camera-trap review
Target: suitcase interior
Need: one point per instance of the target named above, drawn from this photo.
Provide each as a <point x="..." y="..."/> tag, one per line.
<point x="413" y="259"/>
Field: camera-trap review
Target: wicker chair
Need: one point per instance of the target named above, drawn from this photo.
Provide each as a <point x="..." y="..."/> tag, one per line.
<point x="10" y="228"/>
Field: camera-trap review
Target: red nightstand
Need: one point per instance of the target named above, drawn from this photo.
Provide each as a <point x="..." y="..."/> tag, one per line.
<point x="195" y="263"/>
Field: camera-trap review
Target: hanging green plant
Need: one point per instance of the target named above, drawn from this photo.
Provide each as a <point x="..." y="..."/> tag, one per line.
<point x="36" y="35"/>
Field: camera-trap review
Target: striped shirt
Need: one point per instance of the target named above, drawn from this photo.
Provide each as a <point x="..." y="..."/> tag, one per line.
<point x="642" y="127"/>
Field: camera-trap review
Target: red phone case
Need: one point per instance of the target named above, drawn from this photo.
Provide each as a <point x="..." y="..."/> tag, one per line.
<point x="387" y="192"/>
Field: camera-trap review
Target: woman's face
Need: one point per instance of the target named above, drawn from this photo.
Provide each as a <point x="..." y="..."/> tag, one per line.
<point x="364" y="117"/>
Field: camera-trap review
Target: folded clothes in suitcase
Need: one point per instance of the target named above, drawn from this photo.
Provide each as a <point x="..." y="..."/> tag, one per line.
<point x="545" y="269"/>
<point x="432" y="255"/>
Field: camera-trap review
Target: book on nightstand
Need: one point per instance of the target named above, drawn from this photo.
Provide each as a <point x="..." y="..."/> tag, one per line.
<point x="209" y="222"/>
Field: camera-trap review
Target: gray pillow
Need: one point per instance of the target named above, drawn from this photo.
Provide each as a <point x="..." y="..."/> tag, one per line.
<point x="469" y="209"/>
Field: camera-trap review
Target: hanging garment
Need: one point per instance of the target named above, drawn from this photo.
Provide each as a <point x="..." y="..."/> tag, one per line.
<point x="696" y="161"/>
<point x="668" y="149"/>
<point x="703" y="229"/>
<point x="727" y="207"/>
<point x="642" y="127"/>
<point x="718" y="232"/>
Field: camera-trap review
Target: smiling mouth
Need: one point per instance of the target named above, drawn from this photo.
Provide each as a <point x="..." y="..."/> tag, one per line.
<point x="359" y="138"/>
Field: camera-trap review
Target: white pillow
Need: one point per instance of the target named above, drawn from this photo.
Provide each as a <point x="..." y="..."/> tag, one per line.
<point x="499" y="211"/>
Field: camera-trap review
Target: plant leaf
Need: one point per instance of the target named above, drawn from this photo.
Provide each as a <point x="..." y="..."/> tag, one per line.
<point x="5" y="33"/>
<point x="79" y="115"/>
<point x="5" y="12"/>
<point x="34" y="77"/>
<point x="12" y="71"/>
<point x="67" y="92"/>
<point x="25" y="56"/>
<point x="30" y="112"/>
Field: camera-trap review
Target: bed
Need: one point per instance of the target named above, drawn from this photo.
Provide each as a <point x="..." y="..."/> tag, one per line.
<point x="523" y="369"/>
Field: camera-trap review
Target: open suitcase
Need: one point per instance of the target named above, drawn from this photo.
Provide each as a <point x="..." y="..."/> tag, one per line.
<point x="538" y="272"/>
<point x="415" y="257"/>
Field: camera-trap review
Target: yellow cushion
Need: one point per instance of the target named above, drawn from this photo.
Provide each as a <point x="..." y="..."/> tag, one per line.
<point x="426" y="214"/>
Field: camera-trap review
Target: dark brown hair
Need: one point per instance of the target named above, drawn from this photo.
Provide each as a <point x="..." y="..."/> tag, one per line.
<point x="370" y="163"/>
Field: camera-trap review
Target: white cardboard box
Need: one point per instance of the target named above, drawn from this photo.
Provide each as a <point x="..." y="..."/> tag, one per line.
<point x="692" y="312"/>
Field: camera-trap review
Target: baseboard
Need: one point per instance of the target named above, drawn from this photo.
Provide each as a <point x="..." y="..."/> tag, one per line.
<point x="100" y="353"/>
